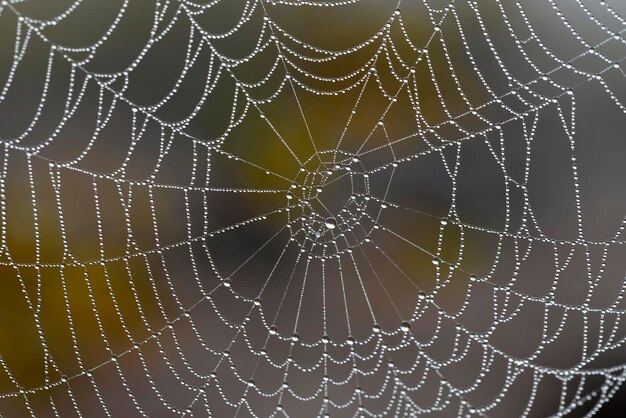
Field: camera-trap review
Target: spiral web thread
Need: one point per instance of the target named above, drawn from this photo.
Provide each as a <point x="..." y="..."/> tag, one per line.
<point x="390" y="369"/>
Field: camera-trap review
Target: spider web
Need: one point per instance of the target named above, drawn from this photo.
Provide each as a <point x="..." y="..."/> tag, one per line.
<point x="312" y="208"/>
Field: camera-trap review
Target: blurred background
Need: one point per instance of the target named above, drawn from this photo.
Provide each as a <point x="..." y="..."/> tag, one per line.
<point x="376" y="208"/>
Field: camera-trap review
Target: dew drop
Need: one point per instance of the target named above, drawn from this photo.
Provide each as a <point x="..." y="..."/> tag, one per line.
<point x="330" y="223"/>
<point x="289" y="196"/>
<point x="405" y="326"/>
